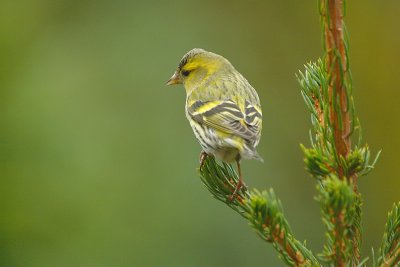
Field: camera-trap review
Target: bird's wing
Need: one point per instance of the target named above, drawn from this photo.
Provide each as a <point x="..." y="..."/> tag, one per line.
<point x="226" y="116"/>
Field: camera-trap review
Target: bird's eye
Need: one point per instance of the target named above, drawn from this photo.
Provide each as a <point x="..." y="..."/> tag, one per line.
<point x="185" y="72"/>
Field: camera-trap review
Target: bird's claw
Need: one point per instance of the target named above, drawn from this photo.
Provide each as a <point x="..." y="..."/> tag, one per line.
<point x="239" y="186"/>
<point x="203" y="157"/>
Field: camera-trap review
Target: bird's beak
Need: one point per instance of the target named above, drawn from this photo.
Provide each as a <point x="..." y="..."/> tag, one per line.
<point x="174" y="79"/>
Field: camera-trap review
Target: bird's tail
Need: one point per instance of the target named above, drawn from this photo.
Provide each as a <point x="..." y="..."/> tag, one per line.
<point x="251" y="153"/>
<point x="257" y="156"/>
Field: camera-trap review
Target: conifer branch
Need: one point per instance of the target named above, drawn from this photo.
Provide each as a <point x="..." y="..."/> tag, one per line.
<point x="341" y="111"/>
<point x="341" y="216"/>
<point x="340" y="203"/>
<point x="327" y="91"/>
<point x="390" y="247"/>
<point x="340" y="106"/>
<point x="263" y="210"/>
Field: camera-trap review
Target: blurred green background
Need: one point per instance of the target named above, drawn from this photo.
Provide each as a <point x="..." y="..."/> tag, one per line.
<point x="98" y="163"/>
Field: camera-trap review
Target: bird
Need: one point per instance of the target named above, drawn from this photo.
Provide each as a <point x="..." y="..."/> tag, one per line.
<point x="222" y="107"/>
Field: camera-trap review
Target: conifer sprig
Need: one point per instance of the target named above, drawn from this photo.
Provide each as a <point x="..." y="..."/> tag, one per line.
<point x="263" y="210"/>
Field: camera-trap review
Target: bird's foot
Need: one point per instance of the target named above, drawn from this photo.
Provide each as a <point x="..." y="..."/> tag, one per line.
<point x="203" y="157"/>
<point x="239" y="186"/>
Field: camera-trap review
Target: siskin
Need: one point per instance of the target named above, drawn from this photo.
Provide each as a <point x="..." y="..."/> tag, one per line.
<point x="222" y="107"/>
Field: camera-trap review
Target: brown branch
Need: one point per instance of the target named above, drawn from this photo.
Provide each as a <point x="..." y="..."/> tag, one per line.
<point x="336" y="62"/>
<point x="393" y="255"/>
<point x="339" y="113"/>
<point x="356" y="245"/>
<point x="278" y="235"/>
<point x="339" y="245"/>
<point x="393" y="260"/>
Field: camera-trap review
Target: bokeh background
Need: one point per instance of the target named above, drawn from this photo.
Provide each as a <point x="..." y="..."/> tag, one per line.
<point x="98" y="163"/>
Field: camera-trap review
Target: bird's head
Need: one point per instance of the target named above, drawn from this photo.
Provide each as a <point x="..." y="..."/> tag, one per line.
<point x="196" y="66"/>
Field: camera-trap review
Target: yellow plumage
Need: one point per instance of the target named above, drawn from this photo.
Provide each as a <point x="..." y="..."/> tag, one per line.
<point x="222" y="107"/>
